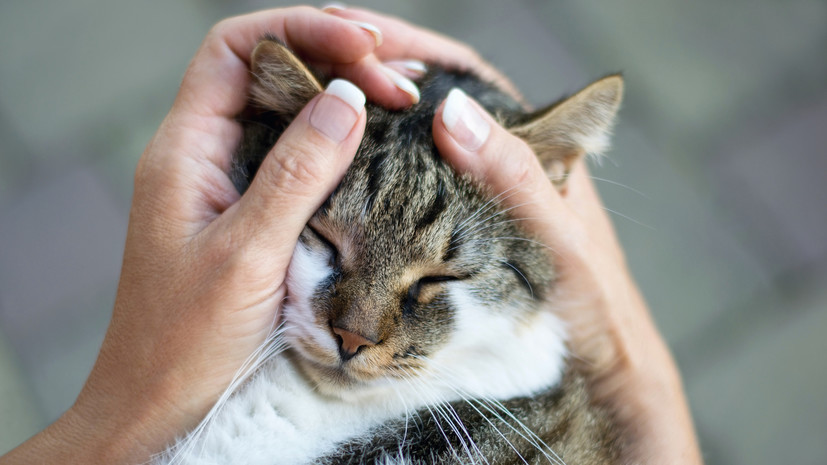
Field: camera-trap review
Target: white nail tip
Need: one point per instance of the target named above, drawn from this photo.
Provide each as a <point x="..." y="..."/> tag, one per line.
<point x="410" y="65"/>
<point x="374" y="31"/>
<point x="348" y="92"/>
<point x="464" y="121"/>
<point x="403" y="83"/>
<point x="333" y="6"/>
<point x="454" y="108"/>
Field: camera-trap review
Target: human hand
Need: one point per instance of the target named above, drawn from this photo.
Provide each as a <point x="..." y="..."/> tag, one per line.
<point x="204" y="268"/>
<point x="612" y="337"/>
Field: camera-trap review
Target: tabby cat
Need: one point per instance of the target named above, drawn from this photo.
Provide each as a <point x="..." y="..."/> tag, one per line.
<point x="417" y="327"/>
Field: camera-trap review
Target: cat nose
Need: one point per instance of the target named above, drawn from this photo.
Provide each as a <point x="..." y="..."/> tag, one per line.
<point x="350" y="342"/>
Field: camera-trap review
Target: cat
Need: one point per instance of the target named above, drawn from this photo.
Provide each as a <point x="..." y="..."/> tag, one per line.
<point x="417" y="327"/>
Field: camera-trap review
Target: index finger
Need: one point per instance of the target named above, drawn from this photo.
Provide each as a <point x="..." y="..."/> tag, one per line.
<point x="473" y="142"/>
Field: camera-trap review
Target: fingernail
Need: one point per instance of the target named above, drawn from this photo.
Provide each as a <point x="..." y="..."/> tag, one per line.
<point x="402" y="83"/>
<point x="338" y="109"/>
<point x="374" y="31"/>
<point x="413" y="69"/>
<point x="333" y="6"/>
<point x="463" y="121"/>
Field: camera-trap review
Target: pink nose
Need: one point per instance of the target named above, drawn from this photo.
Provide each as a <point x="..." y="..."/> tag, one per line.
<point x="350" y="343"/>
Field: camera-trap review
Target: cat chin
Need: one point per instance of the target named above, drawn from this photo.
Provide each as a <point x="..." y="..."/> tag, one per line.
<point x="339" y="384"/>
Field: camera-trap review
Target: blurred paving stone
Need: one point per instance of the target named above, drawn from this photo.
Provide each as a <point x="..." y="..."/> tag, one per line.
<point x="59" y="356"/>
<point x="703" y="69"/>
<point x="762" y="401"/>
<point x="20" y="416"/>
<point x="62" y="247"/>
<point x="116" y="143"/>
<point x="16" y="166"/>
<point x="774" y="182"/>
<point x="63" y="62"/>
<point x="67" y="239"/>
<point x="690" y="268"/>
<point x="105" y="73"/>
<point x="521" y="45"/>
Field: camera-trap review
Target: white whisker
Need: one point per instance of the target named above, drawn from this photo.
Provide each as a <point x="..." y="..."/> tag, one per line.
<point x="473" y="228"/>
<point x="523" y="431"/>
<point x="629" y="219"/>
<point x="517" y="270"/>
<point x="504" y="195"/>
<point x="272" y="345"/>
<point x="615" y="183"/>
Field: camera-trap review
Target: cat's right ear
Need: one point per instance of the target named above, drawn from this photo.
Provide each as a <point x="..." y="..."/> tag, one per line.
<point x="566" y="131"/>
<point x="281" y="82"/>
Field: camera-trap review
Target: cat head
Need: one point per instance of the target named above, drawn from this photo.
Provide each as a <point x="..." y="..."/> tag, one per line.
<point x="410" y="270"/>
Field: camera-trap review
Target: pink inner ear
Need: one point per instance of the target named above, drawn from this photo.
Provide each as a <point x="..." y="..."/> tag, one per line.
<point x="556" y="171"/>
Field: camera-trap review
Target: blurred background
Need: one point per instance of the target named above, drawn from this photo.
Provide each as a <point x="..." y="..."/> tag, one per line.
<point x="717" y="183"/>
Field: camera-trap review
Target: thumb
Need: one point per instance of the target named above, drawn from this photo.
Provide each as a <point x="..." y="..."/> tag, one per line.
<point x="471" y="140"/>
<point x="300" y="172"/>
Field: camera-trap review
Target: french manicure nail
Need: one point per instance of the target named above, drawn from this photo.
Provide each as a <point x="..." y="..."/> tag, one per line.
<point x="374" y="31"/>
<point x="338" y="109"/>
<point x="412" y="69"/>
<point x="463" y="121"/>
<point x="333" y="6"/>
<point x="402" y="83"/>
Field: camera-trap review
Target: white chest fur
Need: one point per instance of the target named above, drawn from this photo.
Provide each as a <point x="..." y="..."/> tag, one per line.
<point x="278" y="418"/>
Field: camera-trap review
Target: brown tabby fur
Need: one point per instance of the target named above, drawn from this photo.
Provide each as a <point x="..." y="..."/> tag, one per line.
<point x="394" y="228"/>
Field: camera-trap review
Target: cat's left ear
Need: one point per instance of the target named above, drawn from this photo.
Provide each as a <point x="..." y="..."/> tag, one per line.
<point x="581" y="124"/>
<point x="281" y="82"/>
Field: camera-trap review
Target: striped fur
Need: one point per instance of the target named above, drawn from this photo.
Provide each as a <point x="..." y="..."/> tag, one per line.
<point x="464" y="362"/>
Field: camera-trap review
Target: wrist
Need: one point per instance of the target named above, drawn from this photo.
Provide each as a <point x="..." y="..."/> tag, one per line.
<point x="70" y="439"/>
<point x="653" y="411"/>
<point x="125" y="427"/>
<point x="644" y="391"/>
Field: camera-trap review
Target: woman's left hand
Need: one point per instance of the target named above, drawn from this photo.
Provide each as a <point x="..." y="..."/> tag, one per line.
<point x="203" y="271"/>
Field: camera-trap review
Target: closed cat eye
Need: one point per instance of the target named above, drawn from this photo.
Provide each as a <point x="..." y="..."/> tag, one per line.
<point x="415" y="290"/>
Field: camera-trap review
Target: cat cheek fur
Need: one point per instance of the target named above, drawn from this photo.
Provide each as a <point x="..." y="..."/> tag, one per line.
<point x="492" y="354"/>
<point x="308" y="269"/>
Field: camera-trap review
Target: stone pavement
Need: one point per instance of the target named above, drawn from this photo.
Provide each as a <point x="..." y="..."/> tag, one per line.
<point x="717" y="183"/>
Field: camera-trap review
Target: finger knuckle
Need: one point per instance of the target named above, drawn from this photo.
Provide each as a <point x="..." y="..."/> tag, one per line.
<point x="296" y="169"/>
<point x="220" y="28"/>
<point x="150" y="172"/>
<point x="140" y="174"/>
<point x="519" y="163"/>
<point x="302" y="10"/>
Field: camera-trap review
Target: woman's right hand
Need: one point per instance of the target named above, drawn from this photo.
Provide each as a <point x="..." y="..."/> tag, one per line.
<point x="612" y="336"/>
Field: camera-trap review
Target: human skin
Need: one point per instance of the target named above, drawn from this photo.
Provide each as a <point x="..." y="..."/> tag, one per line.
<point x="203" y="271"/>
<point x="612" y="335"/>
